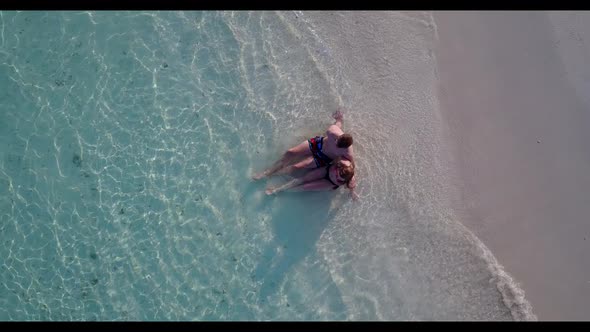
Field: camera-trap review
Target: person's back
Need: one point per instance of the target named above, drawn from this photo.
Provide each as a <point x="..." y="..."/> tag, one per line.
<point x="337" y="143"/>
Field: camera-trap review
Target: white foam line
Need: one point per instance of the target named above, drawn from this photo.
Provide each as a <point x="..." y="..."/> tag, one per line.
<point x="433" y="24"/>
<point x="512" y="294"/>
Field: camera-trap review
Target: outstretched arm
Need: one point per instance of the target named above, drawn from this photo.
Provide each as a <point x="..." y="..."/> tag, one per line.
<point x="351" y="186"/>
<point x="339" y="117"/>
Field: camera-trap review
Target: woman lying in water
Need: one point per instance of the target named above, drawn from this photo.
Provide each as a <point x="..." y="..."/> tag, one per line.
<point x="339" y="172"/>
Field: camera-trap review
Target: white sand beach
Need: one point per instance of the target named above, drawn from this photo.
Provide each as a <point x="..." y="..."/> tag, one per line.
<point x="514" y="91"/>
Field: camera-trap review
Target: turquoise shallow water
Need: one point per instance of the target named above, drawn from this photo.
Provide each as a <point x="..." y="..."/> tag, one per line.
<point x="128" y="140"/>
<point x="127" y="143"/>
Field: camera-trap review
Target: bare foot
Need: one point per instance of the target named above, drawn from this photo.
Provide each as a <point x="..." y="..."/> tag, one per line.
<point x="258" y="176"/>
<point x="270" y="190"/>
<point x="338" y="115"/>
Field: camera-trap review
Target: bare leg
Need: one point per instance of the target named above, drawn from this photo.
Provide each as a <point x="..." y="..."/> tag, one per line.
<point x="318" y="185"/>
<point x="305" y="163"/>
<point x="290" y="184"/>
<point x="311" y="176"/>
<point x="294" y="152"/>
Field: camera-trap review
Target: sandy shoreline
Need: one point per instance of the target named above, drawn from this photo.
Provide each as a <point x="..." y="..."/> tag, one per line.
<point x="518" y="133"/>
<point x="385" y="70"/>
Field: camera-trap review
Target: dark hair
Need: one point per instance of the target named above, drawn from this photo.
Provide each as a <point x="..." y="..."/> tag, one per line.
<point x="344" y="141"/>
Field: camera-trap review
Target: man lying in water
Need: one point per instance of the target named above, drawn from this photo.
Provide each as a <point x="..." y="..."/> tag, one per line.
<point x="331" y="177"/>
<point x="318" y="152"/>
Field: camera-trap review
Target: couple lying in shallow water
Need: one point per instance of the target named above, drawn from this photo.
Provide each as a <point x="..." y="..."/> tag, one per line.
<point x="329" y="159"/>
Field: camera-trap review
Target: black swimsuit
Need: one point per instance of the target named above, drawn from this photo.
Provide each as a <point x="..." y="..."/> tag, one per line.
<point x="327" y="177"/>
